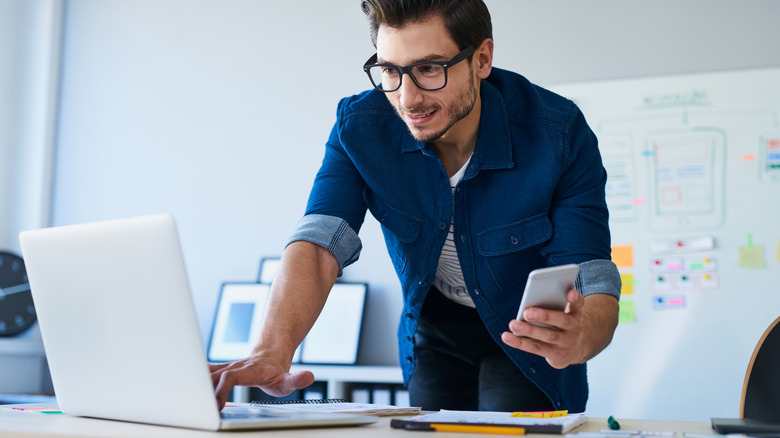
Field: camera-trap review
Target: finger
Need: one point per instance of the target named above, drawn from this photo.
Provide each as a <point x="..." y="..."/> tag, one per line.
<point x="301" y="379"/>
<point x="548" y="318"/>
<point x="218" y="369"/>
<point x="223" y="388"/>
<point x="525" y="328"/>
<point x="529" y="345"/>
<point x="216" y="372"/>
<point x="555" y="356"/>
<point x="213" y="367"/>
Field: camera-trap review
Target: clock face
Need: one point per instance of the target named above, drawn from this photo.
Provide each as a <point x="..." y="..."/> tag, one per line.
<point x="17" y="313"/>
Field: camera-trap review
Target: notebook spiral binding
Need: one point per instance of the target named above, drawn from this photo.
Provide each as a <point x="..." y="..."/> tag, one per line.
<point x="288" y="402"/>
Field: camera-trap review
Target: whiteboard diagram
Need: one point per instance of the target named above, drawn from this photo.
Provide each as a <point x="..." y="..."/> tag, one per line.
<point x="687" y="177"/>
<point x="770" y="157"/>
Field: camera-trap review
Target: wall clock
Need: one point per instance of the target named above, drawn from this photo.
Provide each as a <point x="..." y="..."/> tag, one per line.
<point x="17" y="312"/>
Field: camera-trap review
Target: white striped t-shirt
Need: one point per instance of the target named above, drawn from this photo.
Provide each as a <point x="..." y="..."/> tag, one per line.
<point x="449" y="276"/>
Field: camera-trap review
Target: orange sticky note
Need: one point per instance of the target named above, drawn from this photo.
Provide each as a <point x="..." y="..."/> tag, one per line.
<point x="623" y="255"/>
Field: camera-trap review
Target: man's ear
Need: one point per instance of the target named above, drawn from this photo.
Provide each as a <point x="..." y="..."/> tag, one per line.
<point x="484" y="58"/>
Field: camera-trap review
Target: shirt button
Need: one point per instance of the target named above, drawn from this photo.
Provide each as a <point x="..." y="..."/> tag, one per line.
<point x="476" y="291"/>
<point x="442" y="225"/>
<point x="532" y="370"/>
<point x="383" y="218"/>
<point x="514" y="239"/>
<point x="423" y="284"/>
<point x="462" y="237"/>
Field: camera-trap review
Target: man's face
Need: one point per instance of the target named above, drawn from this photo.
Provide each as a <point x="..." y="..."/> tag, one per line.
<point x="429" y="115"/>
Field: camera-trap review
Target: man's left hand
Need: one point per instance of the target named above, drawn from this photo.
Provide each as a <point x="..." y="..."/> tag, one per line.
<point x="568" y="337"/>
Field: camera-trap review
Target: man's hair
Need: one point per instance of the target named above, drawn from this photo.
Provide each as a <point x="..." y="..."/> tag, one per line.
<point x="468" y="21"/>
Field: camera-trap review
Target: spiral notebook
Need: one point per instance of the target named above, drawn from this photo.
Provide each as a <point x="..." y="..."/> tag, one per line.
<point x="338" y="405"/>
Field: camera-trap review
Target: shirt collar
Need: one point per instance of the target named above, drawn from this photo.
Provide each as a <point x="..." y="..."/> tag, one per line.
<point x="494" y="142"/>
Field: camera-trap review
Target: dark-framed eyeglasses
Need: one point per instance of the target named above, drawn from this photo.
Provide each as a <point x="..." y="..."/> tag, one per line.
<point x="428" y="75"/>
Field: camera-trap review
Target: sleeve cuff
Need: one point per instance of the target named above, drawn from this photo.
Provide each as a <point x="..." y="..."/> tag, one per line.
<point x="331" y="233"/>
<point x="599" y="277"/>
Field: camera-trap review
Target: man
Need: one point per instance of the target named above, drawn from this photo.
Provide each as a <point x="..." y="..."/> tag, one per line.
<point x="477" y="177"/>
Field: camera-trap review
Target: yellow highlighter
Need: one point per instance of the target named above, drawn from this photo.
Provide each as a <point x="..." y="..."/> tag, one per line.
<point x="500" y="430"/>
<point x="540" y="414"/>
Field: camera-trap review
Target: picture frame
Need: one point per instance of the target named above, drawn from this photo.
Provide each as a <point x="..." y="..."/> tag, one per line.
<point x="268" y="267"/>
<point x="335" y="337"/>
<point x="333" y="340"/>
<point x="237" y="318"/>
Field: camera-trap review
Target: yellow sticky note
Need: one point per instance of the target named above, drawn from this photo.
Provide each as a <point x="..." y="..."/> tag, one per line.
<point x="777" y="254"/>
<point x="628" y="283"/>
<point x="540" y="414"/>
<point x="626" y="312"/>
<point x="751" y="256"/>
<point x="623" y="255"/>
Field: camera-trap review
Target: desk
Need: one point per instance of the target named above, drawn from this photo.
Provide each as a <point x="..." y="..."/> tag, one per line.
<point x="30" y="425"/>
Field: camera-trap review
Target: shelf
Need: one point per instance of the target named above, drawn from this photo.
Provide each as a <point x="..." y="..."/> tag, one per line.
<point x="338" y="377"/>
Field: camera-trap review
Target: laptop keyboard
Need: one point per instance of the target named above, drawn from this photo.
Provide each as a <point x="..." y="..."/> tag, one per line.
<point x="238" y="413"/>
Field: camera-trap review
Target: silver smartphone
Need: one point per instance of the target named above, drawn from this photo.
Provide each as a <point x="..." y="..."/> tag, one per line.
<point x="547" y="288"/>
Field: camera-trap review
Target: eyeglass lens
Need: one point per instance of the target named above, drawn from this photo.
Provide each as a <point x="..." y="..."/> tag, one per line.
<point x="426" y="76"/>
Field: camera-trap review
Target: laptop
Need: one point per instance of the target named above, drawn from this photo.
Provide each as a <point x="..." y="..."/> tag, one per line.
<point x="120" y="331"/>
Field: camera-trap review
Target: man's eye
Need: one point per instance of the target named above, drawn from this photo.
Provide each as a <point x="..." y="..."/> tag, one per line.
<point x="428" y="69"/>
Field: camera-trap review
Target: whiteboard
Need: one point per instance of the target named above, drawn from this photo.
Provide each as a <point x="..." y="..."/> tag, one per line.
<point x="693" y="188"/>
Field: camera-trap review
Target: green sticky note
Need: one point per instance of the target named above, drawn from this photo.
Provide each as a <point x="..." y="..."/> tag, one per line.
<point x="626" y="313"/>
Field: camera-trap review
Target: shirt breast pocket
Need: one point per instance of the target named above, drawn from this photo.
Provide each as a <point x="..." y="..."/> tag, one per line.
<point x="509" y="249"/>
<point x="401" y="231"/>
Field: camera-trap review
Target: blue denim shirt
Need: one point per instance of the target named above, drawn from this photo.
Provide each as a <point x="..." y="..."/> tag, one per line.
<point x="532" y="196"/>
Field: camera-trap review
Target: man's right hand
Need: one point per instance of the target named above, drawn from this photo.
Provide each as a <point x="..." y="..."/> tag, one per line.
<point x="272" y="378"/>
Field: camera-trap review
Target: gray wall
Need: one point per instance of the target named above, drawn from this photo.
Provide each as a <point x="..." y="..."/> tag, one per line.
<point x="217" y="112"/>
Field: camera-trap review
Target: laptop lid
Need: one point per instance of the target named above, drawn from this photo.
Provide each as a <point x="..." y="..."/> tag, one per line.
<point x="119" y="326"/>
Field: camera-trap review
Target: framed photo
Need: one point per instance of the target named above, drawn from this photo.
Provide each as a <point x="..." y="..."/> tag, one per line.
<point x="268" y="266"/>
<point x="333" y="339"/>
<point x="335" y="336"/>
<point x="237" y="320"/>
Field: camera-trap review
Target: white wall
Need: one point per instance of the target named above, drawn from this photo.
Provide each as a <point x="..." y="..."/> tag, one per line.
<point x="29" y="61"/>
<point x="10" y="24"/>
<point x="29" y="54"/>
<point x="217" y="111"/>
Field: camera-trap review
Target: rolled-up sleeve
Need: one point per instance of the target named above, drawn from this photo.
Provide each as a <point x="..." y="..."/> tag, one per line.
<point x="599" y="277"/>
<point x="331" y="233"/>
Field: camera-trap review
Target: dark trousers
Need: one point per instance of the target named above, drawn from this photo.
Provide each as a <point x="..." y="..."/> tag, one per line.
<point x="459" y="366"/>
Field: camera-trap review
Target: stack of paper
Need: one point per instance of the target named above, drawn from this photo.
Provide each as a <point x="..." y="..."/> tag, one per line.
<point x="344" y="407"/>
<point x="557" y="425"/>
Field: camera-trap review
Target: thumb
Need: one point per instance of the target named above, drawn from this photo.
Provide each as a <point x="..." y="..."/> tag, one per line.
<point x="301" y="379"/>
<point x="288" y="383"/>
<point x="575" y="301"/>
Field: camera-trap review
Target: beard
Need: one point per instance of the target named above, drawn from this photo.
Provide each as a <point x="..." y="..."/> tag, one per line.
<point x="458" y="109"/>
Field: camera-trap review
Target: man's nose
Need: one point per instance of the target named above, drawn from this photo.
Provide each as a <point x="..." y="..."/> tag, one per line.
<point x="410" y="95"/>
